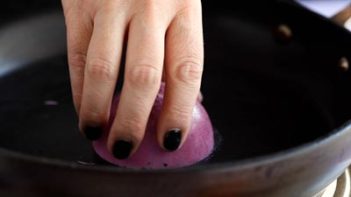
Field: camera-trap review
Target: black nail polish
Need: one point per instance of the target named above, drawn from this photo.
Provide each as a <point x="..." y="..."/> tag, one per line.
<point x="172" y="139"/>
<point x="92" y="133"/>
<point x="122" y="149"/>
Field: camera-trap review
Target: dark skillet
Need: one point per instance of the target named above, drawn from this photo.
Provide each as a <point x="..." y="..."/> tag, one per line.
<point x="281" y="105"/>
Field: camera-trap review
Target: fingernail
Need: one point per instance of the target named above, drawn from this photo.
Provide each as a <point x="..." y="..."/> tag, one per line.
<point x="122" y="149"/>
<point x="172" y="139"/>
<point x="92" y="133"/>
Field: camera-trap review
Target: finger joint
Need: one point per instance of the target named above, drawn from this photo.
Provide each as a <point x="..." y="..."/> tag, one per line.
<point x="189" y="72"/>
<point x="101" y="69"/>
<point x="144" y="75"/>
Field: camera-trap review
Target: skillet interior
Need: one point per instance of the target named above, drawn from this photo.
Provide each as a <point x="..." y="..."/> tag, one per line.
<point x="263" y="96"/>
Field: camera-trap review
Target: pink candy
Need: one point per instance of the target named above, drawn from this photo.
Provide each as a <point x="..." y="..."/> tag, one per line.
<point x="198" y="145"/>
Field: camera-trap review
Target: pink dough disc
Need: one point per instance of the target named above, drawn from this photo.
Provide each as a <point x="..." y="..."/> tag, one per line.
<point x="198" y="145"/>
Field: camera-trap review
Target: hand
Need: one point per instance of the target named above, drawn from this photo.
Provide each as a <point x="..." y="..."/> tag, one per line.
<point x="163" y="37"/>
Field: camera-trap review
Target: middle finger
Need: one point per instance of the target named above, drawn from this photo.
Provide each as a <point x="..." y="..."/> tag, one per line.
<point x="144" y="64"/>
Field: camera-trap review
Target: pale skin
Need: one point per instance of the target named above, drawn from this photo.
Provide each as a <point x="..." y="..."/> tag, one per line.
<point x="164" y="41"/>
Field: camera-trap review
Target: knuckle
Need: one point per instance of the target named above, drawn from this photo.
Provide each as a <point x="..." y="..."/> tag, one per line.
<point x="144" y="75"/>
<point x="77" y="61"/>
<point x="100" y="69"/>
<point x="108" y="7"/>
<point x="187" y="6"/>
<point x="150" y="5"/>
<point x="151" y="10"/>
<point x="77" y="96"/>
<point x="189" y="71"/>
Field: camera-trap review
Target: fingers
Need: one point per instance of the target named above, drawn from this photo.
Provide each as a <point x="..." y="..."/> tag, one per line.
<point x="79" y="30"/>
<point x="101" y="70"/>
<point x="94" y="68"/>
<point x="184" y="65"/>
<point x="144" y="63"/>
